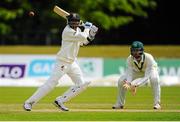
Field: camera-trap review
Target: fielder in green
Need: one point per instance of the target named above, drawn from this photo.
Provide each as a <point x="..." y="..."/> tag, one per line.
<point x="141" y="68"/>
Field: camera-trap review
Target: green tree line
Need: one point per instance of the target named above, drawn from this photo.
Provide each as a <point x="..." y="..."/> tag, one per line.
<point x="16" y="27"/>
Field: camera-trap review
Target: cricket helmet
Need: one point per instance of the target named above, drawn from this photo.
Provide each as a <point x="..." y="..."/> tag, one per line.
<point x="137" y="49"/>
<point x="73" y="20"/>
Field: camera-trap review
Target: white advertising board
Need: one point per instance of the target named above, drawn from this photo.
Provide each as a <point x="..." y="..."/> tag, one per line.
<point x="34" y="70"/>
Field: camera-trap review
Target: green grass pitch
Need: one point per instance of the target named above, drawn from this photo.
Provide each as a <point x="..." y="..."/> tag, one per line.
<point x="94" y="104"/>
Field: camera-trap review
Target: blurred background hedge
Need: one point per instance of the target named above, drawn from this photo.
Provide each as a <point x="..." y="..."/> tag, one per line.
<point x="119" y="21"/>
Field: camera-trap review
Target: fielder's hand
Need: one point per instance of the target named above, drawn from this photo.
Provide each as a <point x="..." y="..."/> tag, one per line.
<point x="130" y="87"/>
<point x="126" y="85"/>
<point x="133" y="90"/>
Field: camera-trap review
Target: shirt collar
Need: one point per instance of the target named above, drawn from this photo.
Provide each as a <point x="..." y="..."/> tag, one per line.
<point x="142" y="59"/>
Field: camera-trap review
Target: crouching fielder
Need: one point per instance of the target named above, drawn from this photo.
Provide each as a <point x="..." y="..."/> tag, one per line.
<point x="141" y="68"/>
<point x="72" y="38"/>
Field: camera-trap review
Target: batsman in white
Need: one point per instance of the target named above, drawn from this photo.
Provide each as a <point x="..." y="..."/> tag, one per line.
<point x="66" y="63"/>
<point x="141" y="68"/>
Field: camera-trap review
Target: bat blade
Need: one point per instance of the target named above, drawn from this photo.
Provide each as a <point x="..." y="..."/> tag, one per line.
<point x="60" y="12"/>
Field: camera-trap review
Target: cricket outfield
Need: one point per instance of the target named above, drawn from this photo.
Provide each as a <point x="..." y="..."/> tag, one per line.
<point x="92" y="105"/>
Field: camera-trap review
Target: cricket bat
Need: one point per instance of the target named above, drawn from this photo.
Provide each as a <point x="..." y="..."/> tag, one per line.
<point x="63" y="13"/>
<point x="60" y="11"/>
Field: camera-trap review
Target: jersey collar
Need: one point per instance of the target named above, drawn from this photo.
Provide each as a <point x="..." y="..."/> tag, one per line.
<point x="141" y="63"/>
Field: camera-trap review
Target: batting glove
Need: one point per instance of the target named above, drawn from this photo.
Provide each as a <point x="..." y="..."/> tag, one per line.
<point x="93" y="30"/>
<point x="88" y="25"/>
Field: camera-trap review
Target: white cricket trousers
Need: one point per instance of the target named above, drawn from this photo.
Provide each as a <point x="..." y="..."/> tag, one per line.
<point x="72" y="70"/>
<point x="154" y="81"/>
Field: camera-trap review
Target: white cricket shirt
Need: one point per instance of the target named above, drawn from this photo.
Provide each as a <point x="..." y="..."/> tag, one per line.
<point x="71" y="41"/>
<point x="145" y="66"/>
